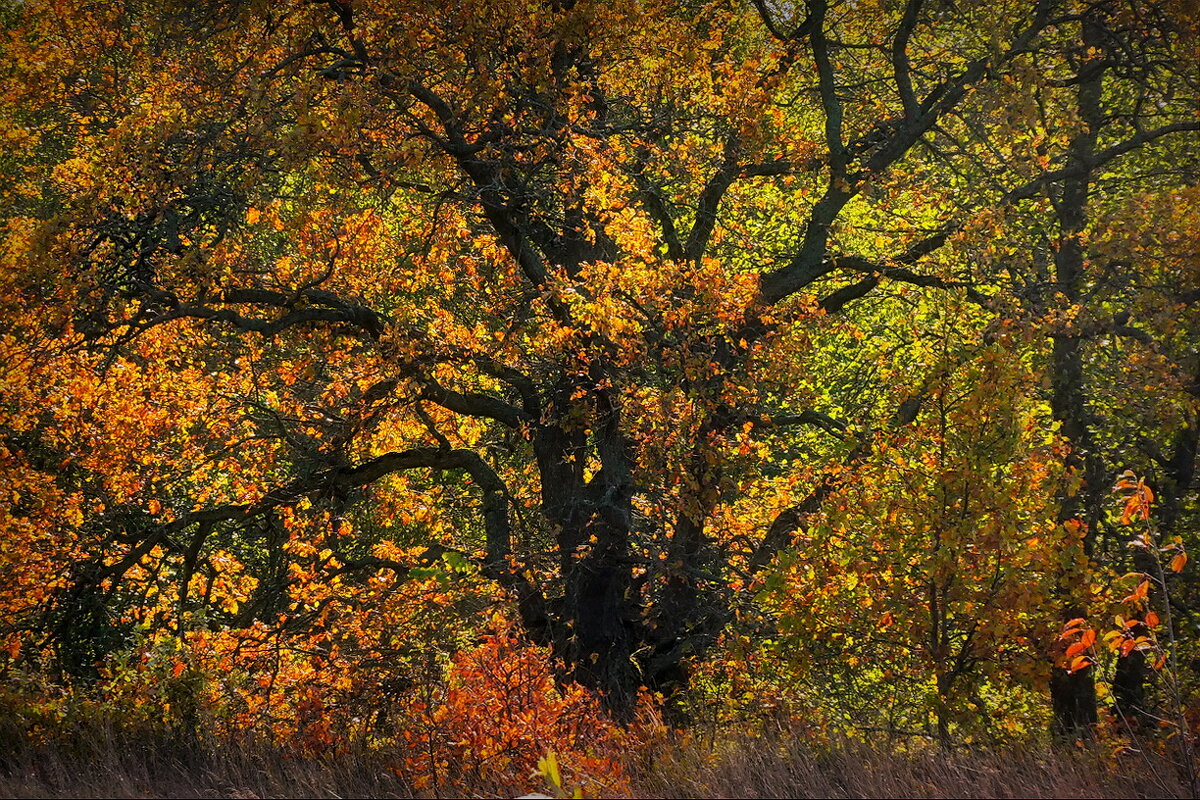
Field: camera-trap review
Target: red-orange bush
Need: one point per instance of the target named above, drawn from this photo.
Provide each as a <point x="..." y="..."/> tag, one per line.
<point x="502" y="711"/>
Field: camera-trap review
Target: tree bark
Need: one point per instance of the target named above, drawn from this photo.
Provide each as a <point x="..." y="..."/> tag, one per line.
<point x="597" y="622"/>
<point x="1073" y="695"/>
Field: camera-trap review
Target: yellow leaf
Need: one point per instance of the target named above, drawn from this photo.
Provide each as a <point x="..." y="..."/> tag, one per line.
<point x="548" y="768"/>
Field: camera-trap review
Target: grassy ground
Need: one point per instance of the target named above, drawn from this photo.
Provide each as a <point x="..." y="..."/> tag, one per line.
<point x="110" y="767"/>
<point x="790" y="769"/>
<point x="99" y="763"/>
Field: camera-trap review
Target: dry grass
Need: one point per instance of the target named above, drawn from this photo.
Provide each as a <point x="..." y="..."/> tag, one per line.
<point x="788" y="768"/>
<point x="103" y="764"/>
<point x="98" y="762"/>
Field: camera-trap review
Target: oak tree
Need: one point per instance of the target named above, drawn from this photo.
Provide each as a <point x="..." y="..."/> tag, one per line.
<point x="566" y="291"/>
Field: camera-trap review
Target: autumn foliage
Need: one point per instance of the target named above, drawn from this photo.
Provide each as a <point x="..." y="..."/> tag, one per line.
<point x="465" y="383"/>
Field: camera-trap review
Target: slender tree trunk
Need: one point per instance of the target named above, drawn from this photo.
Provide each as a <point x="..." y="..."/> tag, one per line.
<point x="1133" y="672"/>
<point x="1179" y="470"/>
<point x="1073" y="695"/>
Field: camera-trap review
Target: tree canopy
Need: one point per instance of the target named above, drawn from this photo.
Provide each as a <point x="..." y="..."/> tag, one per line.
<point x="667" y="328"/>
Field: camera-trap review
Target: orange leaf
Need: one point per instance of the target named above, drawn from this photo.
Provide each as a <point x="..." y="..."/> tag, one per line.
<point x="1076" y="649"/>
<point x="1151" y="619"/>
<point x="177" y="670"/>
<point x="1132" y="507"/>
<point x="1082" y="662"/>
<point x="1088" y="638"/>
<point x="1071" y="627"/>
<point x="1178" y="561"/>
<point x="1139" y="593"/>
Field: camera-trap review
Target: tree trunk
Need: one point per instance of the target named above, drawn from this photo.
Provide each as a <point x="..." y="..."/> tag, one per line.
<point x="1133" y="672"/>
<point x="1073" y="695"/>
<point x="600" y="619"/>
<point x="598" y="631"/>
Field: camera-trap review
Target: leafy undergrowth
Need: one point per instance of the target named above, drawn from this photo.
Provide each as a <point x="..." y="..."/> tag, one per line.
<point x="495" y="722"/>
<point x="156" y="726"/>
<point x="100" y="761"/>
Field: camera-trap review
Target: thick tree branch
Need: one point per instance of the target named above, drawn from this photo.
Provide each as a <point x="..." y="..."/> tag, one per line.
<point x="654" y="204"/>
<point x="839" y="299"/>
<point x="325" y="307"/>
<point x="772" y="25"/>
<point x="788" y="521"/>
<point x="900" y="66"/>
<point x="817" y="419"/>
<point x="812" y="261"/>
<point x="485" y="177"/>
<point x="827" y="86"/>
<point x="1077" y="168"/>
<point x="494" y="508"/>
<point x="709" y="200"/>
